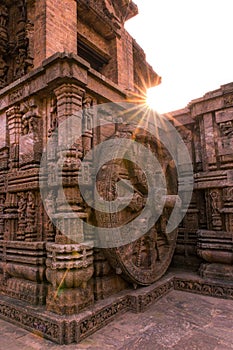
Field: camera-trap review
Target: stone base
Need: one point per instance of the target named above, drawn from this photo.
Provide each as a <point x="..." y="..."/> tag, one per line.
<point x="191" y="263"/>
<point x="71" y="329"/>
<point x="109" y="285"/>
<point x="217" y="271"/>
<point x="32" y="292"/>
<point x="69" y="301"/>
<point x="74" y="328"/>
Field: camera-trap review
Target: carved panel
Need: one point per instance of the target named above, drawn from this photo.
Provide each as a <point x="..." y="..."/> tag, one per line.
<point x="228" y="100"/>
<point x="30" y="143"/>
<point x="3" y="44"/>
<point x="20" y="33"/>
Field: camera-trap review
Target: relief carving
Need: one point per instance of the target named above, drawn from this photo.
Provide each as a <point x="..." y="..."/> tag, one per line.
<point x="30" y="215"/>
<point x="216" y="205"/>
<point x="24" y="30"/>
<point x="216" y="201"/>
<point x="87" y="123"/>
<point x="226" y="133"/>
<point x="227" y="128"/>
<point x="22" y="205"/>
<point x="3" y="44"/>
<point x="53" y="116"/>
<point x="29" y="122"/>
<point x="228" y="101"/>
<point x="26" y="216"/>
<point x="16" y="42"/>
<point x="30" y="145"/>
<point x="87" y="113"/>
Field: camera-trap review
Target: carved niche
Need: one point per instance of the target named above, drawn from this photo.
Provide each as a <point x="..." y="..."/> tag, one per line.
<point x="228" y="207"/>
<point x="224" y="121"/>
<point x="30" y="143"/>
<point x="87" y="123"/>
<point x="27" y="217"/>
<point x="215" y="204"/>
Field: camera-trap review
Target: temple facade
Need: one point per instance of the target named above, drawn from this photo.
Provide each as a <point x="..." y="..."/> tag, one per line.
<point x="58" y="59"/>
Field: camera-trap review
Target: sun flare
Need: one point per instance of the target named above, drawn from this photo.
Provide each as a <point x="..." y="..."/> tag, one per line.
<point x="157" y="100"/>
<point x="152" y="99"/>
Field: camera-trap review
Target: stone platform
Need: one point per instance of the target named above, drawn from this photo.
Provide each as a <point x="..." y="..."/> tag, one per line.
<point x="67" y="330"/>
<point x="177" y="321"/>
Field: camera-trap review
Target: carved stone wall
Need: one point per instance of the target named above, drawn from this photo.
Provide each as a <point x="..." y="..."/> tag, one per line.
<point x="206" y="231"/>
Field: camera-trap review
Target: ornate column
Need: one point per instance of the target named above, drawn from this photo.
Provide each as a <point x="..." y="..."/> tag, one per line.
<point x="14" y="116"/>
<point x="70" y="262"/>
<point x="69" y="103"/>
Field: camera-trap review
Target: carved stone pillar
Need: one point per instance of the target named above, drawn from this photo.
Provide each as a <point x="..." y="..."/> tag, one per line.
<point x="14" y="116"/>
<point x="69" y="271"/>
<point x="10" y="217"/>
<point x="69" y="103"/>
<point x="69" y="263"/>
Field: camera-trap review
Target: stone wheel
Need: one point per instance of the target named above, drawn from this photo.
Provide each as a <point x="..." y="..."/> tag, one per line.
<point x="146" y="259"/>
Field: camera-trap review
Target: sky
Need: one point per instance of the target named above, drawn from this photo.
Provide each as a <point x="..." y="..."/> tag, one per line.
<point x="189" y="43"/>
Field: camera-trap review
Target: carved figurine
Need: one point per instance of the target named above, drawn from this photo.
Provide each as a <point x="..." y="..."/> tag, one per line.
<point x="50" y="203"/>
<point x="87" y="113"/>
<point x="30" y="212"/>
<point x="22" y="205"/>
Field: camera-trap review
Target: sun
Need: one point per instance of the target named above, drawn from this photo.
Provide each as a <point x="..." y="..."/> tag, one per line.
<point x="151" y="99"/>
<point x="157" y="100"/>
